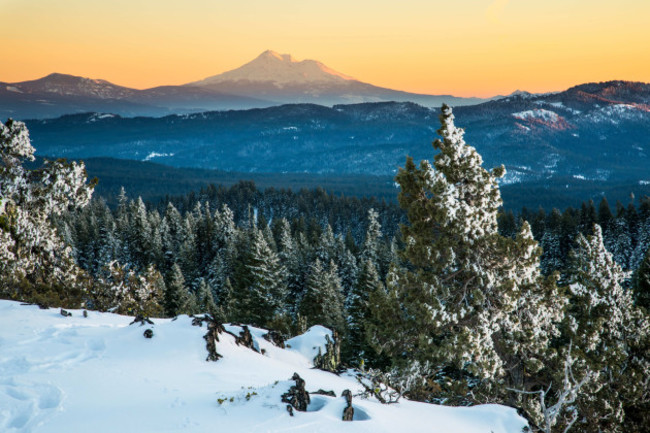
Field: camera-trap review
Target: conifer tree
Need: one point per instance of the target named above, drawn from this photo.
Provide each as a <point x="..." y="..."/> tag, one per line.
<point x="264" y="286"/>
<point x="358" y="307"/>
<point x="642" y="284"/>
<point x="322" y="303"/>
<point x="370" y="248"/>
<point x="459" y="292"/>
<point x="140" y="235"/>
<point x="35" y="264"/>
<point x="205" y="299"/>
<point x="289" y="256"/>
<point x="326" y="245"/>
<point x="227" y="308"/>
<point x="606" y="329"/>
<point x="176" y="293"/>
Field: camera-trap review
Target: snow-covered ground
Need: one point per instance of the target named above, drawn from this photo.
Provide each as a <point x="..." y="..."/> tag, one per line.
<point x="98" y="374"/>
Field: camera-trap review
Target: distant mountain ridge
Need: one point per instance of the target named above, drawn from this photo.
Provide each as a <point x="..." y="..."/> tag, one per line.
<point x="60" y="94"/>
<point x="268" y="80"/>
<point x="593" y="132"/>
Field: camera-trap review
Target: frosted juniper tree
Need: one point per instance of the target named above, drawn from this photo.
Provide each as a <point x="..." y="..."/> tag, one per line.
<point x="458" y="296"/>
<point x="35" y="264"/>
<point x="608" y="331"/>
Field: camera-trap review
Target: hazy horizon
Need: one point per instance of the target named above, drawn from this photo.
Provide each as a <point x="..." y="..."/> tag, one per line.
<point x="465" y="48"/>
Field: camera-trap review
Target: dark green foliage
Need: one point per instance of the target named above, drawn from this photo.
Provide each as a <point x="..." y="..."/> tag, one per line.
<point x="176" y="293"/>
<point x="322" y="303"/>
<point x="642" y="284"/>
<point x="262" y="289"/>
<point x="358" y="304"/>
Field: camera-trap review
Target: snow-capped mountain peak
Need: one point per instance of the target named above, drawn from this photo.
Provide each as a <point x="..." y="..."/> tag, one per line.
<point x="281" y="69"/>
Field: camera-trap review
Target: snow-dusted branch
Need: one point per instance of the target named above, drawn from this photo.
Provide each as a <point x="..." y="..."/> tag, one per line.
<point x="566" y="397"/>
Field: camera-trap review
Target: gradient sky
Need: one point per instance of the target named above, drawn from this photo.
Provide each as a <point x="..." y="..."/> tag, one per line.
<point x="460" y="47"/>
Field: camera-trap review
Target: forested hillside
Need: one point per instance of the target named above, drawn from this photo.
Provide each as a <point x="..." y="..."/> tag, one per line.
<point x="445" y="299"/>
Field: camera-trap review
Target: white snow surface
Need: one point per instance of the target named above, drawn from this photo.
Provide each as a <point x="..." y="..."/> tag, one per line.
<point x="100" y="375"/>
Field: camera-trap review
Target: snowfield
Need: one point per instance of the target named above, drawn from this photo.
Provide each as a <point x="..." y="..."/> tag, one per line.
<point x="97" y="374"/>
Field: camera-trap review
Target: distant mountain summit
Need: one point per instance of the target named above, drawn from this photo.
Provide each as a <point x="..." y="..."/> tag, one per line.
<point x="71" y="85"/>
<point x="281" y="69"/>
<point x="282" y="78"/>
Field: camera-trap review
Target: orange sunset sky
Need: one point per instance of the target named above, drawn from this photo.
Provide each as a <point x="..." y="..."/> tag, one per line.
<point x="460" y="47"/>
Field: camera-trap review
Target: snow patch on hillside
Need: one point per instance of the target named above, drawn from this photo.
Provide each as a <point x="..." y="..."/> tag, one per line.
<point x="99" y="116"/>
<point x="613" y="114"/>
<point x="99" y="374"/>
<point x="537" y="113"/>
<point x="153" y="155"/>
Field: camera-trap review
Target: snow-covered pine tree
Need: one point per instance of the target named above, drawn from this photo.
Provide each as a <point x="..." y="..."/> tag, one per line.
<point x="524" y="342"/>
<point x="205" y="299"/>
<point x="322" y="303"/>
<point x="551" y="243"/>
<point x="139" y="236"/>
<point x="224" y="252"/>
<point x="289" y="256"/>
<point x="175" y="296"/>
<point x="264" y="286"/>
<point x="606" y="330"/>
<point x="371" y="243"/>
<point x="172" y="235"/>
<point x="187" y="255"/>
<point x="358" y="307"/>
<point x="326" y="245"/>
<point x="348" y="269"/>
<point x="227" y="308"/>
<point x="35" y="264"/>
<point x="457" y="297"/>
<point x="641" y="284"/>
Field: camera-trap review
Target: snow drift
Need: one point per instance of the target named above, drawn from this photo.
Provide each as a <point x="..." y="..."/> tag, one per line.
<point x="98" y="374"/>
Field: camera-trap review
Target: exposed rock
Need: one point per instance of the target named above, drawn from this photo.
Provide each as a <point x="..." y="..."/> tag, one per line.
<point x="65" y="313"/>
<point x="198" y="320"/>
<point x="331" y="359"/>
<point x="323" y="392"/>
<point x="276" y="338"/>
<point x="148" y="333"/>
<point x="142" y="320"/>
<point x="85" y="313"/>
<point x="348" y="412"/>
<point x="245" y="338"/>
<point x="297" y="397"/>
<point x="211" y="337"/>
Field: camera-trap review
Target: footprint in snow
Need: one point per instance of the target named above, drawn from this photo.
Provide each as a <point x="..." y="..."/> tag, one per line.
<point x="26" y="405"/>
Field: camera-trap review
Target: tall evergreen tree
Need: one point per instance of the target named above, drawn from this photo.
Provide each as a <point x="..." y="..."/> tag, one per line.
<point x="35" y="264"/>
<point x="642" y="284"/>
<point x="176" y="293"/>
<point x="358" y="307"/>
<point x="460" y="289"/>
<point x="322" y="303"/>
<point x="264" y="289"/>
<point x="605" y="327"/>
